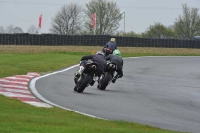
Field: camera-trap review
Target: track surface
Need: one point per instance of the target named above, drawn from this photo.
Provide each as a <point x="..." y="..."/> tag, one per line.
<point x="159" y="91"/>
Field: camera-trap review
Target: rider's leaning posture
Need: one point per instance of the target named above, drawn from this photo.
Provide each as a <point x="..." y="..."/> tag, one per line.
<point x="117" y="59"/>
<point x="99" y="59"/>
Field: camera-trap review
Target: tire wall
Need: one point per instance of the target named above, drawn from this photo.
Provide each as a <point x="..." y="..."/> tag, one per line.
<point x="93" y="40"/>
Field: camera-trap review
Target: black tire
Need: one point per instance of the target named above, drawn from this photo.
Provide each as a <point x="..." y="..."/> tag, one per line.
<point x="84" y="83"/>
<point x="105" y="81"/>
<point x="75" y="87"/>
<point x="100" y="81"/>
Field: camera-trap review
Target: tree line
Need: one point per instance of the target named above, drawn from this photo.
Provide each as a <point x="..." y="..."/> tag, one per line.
<point x="74" y="19"/>
<point x="186" y="26"/>
<point x="11" y="29"/>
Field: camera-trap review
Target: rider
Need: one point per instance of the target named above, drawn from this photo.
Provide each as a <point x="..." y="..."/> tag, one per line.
<point x="111" y="45"/>
<point x="98" y="58"/>
<point x="116" y="58"/>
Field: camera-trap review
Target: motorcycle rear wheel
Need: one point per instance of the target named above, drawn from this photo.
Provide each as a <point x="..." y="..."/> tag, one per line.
<point x="105" y="81"/>
<point x="84" y="83"/>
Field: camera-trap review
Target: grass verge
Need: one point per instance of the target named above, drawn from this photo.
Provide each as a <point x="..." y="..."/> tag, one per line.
<point x="18" y="117"/>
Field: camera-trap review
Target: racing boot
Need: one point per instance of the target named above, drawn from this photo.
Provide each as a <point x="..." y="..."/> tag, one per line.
<point x="96" y="78"/>
<point x="113" y="80"/>
<point x="78" y="74"/>
<point x="92" y="82"/>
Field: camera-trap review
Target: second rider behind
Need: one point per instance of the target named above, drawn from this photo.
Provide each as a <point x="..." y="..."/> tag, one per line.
<point x="116" y="58"/>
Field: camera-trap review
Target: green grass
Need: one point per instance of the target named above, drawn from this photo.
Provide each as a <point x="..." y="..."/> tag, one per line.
<point x="21" y="63"/>
<point x="17" y="117"/>
<point x="12" y="64"/>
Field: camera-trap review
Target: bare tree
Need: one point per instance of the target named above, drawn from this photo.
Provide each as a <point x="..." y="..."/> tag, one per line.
<point x="188" y="25"/>
<point x="108" y="16"/>
<point x="18" y="30"/>
<point x="10" y="29"/>
<point x="68" y="20"/>
<point x="33" y="29"/>
<point x="2" y="30"/>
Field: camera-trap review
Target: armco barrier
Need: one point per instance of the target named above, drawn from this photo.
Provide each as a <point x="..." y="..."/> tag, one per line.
<point x="93" y="40"/>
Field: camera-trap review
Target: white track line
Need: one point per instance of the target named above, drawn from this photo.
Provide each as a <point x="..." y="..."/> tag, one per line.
<point x="35" y="92"/>
<point x="39" y="104"/>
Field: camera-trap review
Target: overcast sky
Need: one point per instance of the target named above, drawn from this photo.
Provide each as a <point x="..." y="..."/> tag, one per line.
<point x="140" y="14"/>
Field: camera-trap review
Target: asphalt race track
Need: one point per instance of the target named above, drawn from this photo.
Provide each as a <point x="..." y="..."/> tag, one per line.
<point x="159" y="91"/>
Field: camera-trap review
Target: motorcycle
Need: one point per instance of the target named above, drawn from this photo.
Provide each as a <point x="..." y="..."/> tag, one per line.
<point x="107" y="76"/>
<point x="107" y="51"/>
<point x="85" y="78"/>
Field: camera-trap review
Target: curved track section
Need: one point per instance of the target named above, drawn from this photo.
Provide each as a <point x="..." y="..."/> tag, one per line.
<point x="158" y="91"/>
